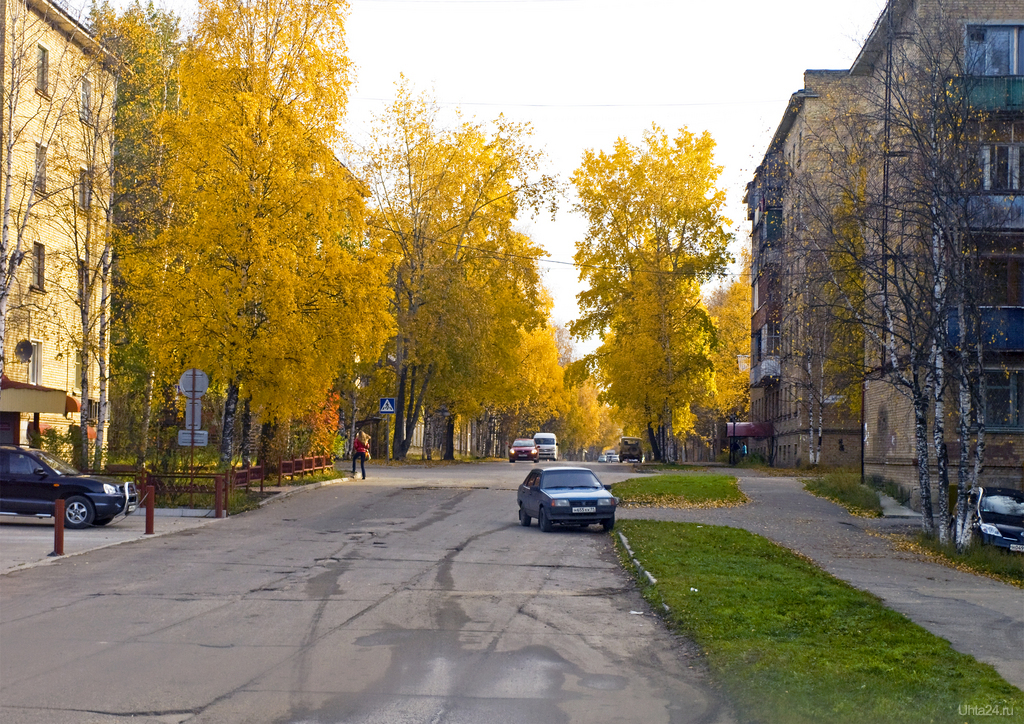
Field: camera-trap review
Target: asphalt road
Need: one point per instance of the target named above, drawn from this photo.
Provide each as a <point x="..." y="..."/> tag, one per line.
<point x="414" y="596"/>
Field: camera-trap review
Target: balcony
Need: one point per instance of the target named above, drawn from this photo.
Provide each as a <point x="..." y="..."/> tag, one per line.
<point x="996" y="211"/>
<point x="993" y="94"/>
<point x="1002" y="329"/>
<point x="764" y="372"/>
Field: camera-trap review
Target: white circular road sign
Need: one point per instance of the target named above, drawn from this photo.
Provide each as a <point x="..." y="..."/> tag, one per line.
<point x="193" y="383"/>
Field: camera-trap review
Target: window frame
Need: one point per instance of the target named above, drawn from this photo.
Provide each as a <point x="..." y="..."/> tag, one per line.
<point x="1015" y="52"/>
<point x="38" y="267"/>
<point x="43" y="70"/>
<point x="85" y="109"/>
<point x="84" y="188"/>
<point x="35" y="364"/>
<point x="39" y="177"/>
<point x="1015" y="383"/>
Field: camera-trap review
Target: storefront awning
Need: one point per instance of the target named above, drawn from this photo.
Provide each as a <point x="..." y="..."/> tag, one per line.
<point x="748" y="429"/>
<point x="23" y="397"/>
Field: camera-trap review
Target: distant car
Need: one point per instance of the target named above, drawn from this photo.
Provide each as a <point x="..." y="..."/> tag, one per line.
<point x="999" y="517"/>
<point x="32" y="480"/>
<point x="631" y="450"/>
<point x="613" y="457"/>
<point x="523" y="449"/>
<point x="602" y="458"/>
<point x="565" y="496"/>
<point x="547" y="446"/>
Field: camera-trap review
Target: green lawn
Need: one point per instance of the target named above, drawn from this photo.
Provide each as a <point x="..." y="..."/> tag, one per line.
<point x="844" y="488"/>
<point x="793" y="645"/>
<point x="686" y="490"/>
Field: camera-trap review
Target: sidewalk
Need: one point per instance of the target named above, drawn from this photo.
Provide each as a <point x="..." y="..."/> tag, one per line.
<point x="977" y="615"/>
<point x="28" y="542"/>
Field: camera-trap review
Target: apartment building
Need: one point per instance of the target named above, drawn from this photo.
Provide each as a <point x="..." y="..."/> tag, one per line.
<point x="803" y="405"/>
<point x="55" y="156"/>
<point x="853" y="130"/>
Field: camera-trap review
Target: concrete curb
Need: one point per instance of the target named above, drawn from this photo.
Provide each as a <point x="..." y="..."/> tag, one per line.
<point x="302" y="488"/>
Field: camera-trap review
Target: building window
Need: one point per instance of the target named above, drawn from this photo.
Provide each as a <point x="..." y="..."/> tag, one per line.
<point x="39" y="266"/>
<point x="1002" y="167"/>
<point x="43" y="70"/>
<point x="1004" y="395"/>
<point x="994" y="50"/>
<point x="85" y="110"/>
<point x="40" y="177"/>
<point x="35" y="364"/>
<point x="84" y="189"/>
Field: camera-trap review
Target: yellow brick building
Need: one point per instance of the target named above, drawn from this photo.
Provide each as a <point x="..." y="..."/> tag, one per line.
<point x="55" y="156"/>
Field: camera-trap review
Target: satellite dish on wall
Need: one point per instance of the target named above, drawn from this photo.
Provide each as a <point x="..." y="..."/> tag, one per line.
<point x="23" y="351"/>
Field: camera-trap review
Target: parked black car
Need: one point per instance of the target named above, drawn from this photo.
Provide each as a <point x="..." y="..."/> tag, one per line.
<point x="999" y="517"/>
<point x="31" y="480"/>
<point x="567" y="496"/>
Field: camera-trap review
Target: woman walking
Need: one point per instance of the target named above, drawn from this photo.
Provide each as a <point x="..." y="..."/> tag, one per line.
<point x="361" y="452"/>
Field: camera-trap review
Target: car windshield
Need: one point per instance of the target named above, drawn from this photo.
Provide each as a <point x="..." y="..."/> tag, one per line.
<point x="522" y="443"/>
<point x="544" y="440"/>
<point x="1003" y="505"/>
<point x="569" y="479"/>
<point x="59" y="466"/>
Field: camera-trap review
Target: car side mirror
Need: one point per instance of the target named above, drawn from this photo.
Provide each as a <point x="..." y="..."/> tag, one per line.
<point x="41" y="472"/>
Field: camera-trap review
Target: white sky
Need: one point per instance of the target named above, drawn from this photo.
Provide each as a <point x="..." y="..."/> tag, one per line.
<point x="585" y="72"/>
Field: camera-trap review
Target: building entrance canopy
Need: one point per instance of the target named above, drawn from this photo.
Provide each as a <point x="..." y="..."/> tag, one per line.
<point x="24" y="397"/>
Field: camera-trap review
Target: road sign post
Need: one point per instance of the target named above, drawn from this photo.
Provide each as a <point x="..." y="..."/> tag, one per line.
<point x="387" y="408"/>
<point x="193" y="383"/>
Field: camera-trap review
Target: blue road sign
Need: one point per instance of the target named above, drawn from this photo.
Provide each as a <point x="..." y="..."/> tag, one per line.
<point x="387" y="406"/>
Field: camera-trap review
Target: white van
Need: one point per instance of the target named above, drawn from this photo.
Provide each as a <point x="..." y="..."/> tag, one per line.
<point x="547" y="446"/>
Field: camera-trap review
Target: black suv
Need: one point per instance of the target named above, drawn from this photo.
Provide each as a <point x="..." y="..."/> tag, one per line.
<point x="31" y="480"/>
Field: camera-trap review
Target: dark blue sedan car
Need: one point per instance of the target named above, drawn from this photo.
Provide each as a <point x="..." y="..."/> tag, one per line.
<point x="565" y="496"/>
<point x="999" y="517"/>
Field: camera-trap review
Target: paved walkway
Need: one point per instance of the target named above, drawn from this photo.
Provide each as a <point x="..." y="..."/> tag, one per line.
<point x="26" y="542"/>
<point x="977" y="615"/>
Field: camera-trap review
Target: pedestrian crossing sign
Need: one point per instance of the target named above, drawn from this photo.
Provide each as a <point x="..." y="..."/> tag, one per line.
<point x="387" y="406"/>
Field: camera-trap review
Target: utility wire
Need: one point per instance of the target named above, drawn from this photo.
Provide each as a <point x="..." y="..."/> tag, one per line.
<point x="491" y="254"/>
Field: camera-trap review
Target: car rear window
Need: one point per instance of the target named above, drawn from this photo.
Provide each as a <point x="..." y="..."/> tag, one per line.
<point x="569" y="479"/>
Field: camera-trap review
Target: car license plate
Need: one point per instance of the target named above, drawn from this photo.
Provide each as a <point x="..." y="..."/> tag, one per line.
<point x="589" y="509"/>
<point x="1017" y="547"/>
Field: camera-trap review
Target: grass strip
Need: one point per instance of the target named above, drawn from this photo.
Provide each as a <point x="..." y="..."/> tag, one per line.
<point x="793" y="645"/>
<point x="686" y="490"/>
<point x="992" y="561"/>
<point x="844" y="488"/>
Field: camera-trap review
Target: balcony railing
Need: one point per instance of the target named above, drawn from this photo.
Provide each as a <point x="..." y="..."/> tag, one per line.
<point x="993" y="93"/>
<point x="765" y="371"/>
<point x="1002" y="329"/>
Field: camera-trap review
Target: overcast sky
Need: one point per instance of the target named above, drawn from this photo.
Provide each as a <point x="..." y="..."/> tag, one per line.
<point x="584" y="72"/>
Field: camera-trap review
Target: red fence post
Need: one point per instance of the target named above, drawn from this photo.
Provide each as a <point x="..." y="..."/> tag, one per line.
<point x="150" y="506"/>
<point x="218" y="505"/>
<point x="58" y="527"/>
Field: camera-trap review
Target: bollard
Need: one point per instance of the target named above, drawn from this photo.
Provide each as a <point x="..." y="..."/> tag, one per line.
<point x="218" y="496"/>
<point x="58" y="527"/>
<point x="150" y="506"/>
